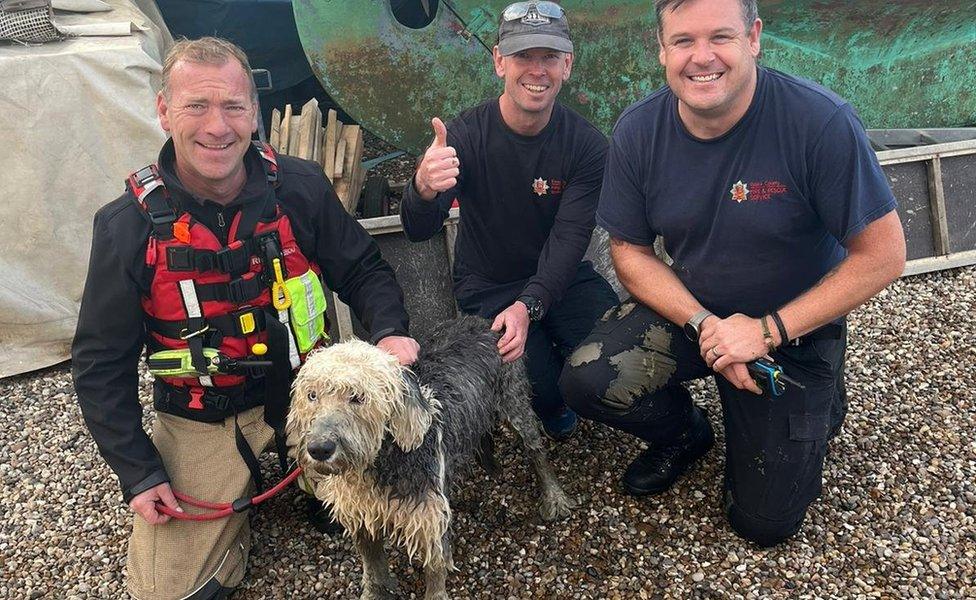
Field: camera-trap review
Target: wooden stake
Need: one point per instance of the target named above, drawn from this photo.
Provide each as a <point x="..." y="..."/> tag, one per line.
<point x="285" y="135"/>
<point x="310" y="121"/>
<point x="328" y="161"/>
<point x="340" y="160"/>
<point x="294" y="133"/>
<point x="275" y="136"/>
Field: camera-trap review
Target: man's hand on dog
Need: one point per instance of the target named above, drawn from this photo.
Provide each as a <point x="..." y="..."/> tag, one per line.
<point x="404" y="348"/>
<point x="144" y="504"/>
<point x="440" y="167"/>
<point x="514" y="320"/>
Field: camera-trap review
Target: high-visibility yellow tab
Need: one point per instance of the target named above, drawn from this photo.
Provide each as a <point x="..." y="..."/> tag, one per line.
<point x="247" y="323"/>
<point x="280" y="297"/>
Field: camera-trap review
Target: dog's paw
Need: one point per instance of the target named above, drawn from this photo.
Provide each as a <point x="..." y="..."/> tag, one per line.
<point x="556" y="504"/>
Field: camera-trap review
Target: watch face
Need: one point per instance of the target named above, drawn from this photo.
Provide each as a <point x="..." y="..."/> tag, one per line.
<point x="691" y="331"/>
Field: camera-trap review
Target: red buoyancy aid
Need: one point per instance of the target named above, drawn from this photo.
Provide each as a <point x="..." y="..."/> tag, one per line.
<point x="205" y="294"/>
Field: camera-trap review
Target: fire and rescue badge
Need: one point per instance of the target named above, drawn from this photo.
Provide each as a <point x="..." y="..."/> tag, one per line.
<point x="740" y="191"/>
<point x="540" y="186"/>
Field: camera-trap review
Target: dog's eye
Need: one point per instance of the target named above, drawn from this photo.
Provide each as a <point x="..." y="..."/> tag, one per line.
<point x="355" y="399"/>
<point x="312" y="397"/>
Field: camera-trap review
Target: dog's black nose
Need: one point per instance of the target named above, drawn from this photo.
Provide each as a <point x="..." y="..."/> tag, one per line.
<point x="322" y="450"/>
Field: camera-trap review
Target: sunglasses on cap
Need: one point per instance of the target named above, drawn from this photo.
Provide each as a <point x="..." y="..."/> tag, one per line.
<point x="520" y="9"/>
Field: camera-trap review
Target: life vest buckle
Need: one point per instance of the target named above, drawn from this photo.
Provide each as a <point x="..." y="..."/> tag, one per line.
<point x="233" y="259"/>
<point x="238" y="290"/>
<point x="144" y="175"/>
<point x="186" y="334"/>
<point x="179" y="258"/>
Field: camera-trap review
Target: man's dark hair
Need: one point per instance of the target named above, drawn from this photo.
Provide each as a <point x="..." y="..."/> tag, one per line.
<point x="750" y="12"/>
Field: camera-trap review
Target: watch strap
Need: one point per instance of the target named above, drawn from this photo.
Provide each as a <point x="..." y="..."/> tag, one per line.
<point x="534" y="306"/>
<point x="695" y="322"/>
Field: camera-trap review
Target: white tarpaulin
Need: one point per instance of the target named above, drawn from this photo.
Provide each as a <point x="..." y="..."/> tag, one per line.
<point x="75" y="118"/>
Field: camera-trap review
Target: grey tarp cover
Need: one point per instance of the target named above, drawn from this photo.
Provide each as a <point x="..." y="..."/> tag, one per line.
<point x="75" y="118"/>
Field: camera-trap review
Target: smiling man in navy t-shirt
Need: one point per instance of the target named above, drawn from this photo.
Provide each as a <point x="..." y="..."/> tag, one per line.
<point x="780" y="222"/>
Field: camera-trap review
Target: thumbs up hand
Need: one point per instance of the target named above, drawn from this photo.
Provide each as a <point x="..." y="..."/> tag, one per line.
<point x="440" y="167"/>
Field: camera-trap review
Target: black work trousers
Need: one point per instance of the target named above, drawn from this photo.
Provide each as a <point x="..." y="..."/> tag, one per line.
<point x="551" y="340"/>
<point x="628" y="373"/>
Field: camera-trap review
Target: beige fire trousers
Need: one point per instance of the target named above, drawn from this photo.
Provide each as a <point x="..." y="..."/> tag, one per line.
<point x="177" y="559"/>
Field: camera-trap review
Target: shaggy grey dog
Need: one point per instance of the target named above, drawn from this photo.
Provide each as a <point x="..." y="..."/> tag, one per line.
<point x="382" y="444"/>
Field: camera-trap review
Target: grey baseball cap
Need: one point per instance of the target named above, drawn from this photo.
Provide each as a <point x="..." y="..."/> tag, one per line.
<point x="533" y="25"/>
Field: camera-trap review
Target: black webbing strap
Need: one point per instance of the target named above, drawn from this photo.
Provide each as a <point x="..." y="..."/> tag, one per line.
<point x="161" y="213"/>
<point x="196" y="326"/>
<point x="278" y="384"/>
<point x="234" y="259"/>
<point x="229" y="325"/>
<point x="219" y="403"/>
<point x="248" y="455"/>
<point x="250" y="214"/>
<point x="239" y="290"/>
<point x="281" y="444"/>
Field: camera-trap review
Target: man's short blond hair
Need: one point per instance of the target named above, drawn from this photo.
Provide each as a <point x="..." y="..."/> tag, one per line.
<point x="206" y="51"/>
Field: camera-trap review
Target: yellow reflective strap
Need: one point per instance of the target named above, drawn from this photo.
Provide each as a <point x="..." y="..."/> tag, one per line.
<point x="280" y="297"/>
<point x="180" y="363"/>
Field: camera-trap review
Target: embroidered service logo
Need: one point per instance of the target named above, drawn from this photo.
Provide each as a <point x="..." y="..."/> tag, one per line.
<point x="540" y="186"/>
<point x="533" y="17"/>
<point x="740" y="191"/>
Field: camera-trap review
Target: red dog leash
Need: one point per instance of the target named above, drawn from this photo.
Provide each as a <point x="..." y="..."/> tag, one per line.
<point x="223" y="509"/>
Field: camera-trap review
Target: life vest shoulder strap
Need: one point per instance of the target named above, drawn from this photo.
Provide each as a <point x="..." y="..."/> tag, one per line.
<point x="149" y="191"/>
<point x="270" y="159"/>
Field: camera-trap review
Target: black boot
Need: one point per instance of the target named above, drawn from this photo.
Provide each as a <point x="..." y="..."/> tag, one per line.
<point x="657" y="468"/>
<point x="320" y="517"/>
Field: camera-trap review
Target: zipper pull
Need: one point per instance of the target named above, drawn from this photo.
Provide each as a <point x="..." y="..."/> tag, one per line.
<point x="220" y="220"/>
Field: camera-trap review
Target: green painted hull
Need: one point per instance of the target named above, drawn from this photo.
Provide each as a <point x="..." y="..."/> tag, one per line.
<point x="908" y="64"/>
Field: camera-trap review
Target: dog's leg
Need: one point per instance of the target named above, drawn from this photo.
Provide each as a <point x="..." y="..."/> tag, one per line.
<point x="378" y="583"/>
<point x="485" y="455"/>
<point x="515" y="392"/>
<point x="436" y="573"/>
<point x="439" y="564"/>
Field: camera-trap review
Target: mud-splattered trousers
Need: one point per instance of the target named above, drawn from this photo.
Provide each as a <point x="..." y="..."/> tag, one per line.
<point x="628" y="373"/>
<point x="551" y="340"/>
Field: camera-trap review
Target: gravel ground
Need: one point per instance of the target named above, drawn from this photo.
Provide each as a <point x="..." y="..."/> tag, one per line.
<point x="896" y="519"/>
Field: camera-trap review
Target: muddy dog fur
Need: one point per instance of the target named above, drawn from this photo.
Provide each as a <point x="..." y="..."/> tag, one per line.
<point x="383" y="445"/>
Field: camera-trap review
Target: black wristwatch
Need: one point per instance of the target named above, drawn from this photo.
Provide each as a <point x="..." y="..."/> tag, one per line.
<point x="693" y="326"/>
<point x="534" y="305"/>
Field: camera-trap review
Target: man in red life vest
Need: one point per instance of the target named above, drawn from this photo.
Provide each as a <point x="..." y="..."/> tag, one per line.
<point x="212" y="259"/>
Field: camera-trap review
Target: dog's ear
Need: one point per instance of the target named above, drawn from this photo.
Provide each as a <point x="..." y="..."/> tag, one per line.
<point x="412" y="415"/>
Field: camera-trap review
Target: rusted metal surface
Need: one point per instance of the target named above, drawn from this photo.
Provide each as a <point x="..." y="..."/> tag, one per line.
<point x="909" y="64"/>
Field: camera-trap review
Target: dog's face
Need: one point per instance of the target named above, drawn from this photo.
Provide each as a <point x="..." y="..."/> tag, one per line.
<point x="344" y="400"/>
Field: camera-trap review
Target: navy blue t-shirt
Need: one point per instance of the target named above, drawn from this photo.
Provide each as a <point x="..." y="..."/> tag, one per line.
<point x="754" y="217"/>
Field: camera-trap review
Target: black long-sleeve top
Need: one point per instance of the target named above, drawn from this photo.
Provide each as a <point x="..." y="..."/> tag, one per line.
<point x="110" y="334"/>
<point x="527" y="204"/>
